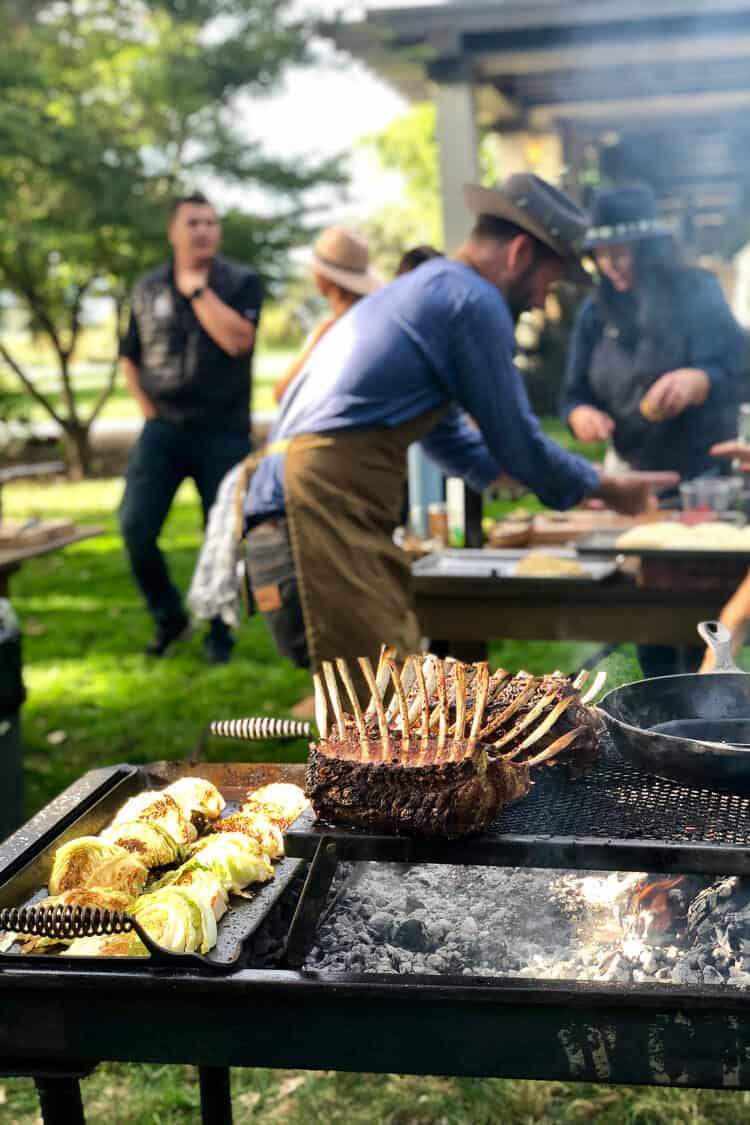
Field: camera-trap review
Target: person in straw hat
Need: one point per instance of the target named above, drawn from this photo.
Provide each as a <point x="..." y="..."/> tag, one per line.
<point x="407" y="363"/>
<point x="341" y="271"/>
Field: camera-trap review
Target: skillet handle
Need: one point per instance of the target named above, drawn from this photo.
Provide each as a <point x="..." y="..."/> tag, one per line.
<point x="719" y="639"/>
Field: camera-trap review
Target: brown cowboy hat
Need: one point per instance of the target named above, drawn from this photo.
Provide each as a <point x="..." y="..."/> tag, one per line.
<point x="541" y="210"/>
<point x="344" y="258"/>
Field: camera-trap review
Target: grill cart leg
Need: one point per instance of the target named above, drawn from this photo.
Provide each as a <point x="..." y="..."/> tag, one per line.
<point x="311" y="902"/>
<point x="60" y="1100"/>
<point x="216" y="1095"/>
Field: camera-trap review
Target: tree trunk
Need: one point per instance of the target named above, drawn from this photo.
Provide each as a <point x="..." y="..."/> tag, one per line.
<point x="78" y="451"/>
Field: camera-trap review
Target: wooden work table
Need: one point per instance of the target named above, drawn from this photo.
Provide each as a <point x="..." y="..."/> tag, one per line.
<point x="464" y="614"/>
<point x="12" y="557"/>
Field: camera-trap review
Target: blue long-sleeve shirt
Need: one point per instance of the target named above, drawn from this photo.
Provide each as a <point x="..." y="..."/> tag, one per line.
<point x="439" y="335"/>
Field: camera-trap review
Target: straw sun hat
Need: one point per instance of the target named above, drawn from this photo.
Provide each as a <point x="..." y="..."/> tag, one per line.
<point x="343" y="257"/>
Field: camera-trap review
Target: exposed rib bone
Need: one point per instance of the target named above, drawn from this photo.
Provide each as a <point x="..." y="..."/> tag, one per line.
<point x="580" y="679"/>
<point x="529" y="718"/>
<point x="359" y="718"/>
<point x="555" y="747"/>
<point x="481" y="688"/>
<point x="421" y="699"/>
<point x="547" y="723"/>
<point x="406" y="680"/>
<point x="333" y="692"/>
<point x="382" y="678"/>
<point x="400" y="696"/>
<point x="599" y="681"/>
<point x="376" y="701"/>
<point x="500" y="720"/>
<point x="442" y="707"/>
<point x="459" y="674"/>
<point x="321" y="706"/>
<point x="419" y="705"/>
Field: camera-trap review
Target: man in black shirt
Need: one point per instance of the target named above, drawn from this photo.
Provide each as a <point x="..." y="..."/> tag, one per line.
<point x="186" y="358"/>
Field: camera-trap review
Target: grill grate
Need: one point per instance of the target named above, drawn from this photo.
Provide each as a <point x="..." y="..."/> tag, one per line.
<point x="615" y="818"/>
<point x="617" y="800"/>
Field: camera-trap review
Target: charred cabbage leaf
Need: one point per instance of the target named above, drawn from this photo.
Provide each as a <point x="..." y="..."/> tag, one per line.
<point x="280" y="802"/>
<point x="199" y="800"/>
<point x="258" y="827"/>
<point x="90" y="862"/>
<point x="158" y="808"/>
<point x="148" y="840"/>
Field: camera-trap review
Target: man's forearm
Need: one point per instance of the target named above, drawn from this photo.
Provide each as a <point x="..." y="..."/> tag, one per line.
<point x="233" y="333"/>
<point x="130" y="369"/>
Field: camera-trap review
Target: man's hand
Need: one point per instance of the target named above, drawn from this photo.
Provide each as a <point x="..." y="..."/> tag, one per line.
<point x="188" y="280"/>
<point x="632" y="493"/>
<point x="735" y="449"/>
<point x="674" y="392"/>
<point x="590" y="424"/>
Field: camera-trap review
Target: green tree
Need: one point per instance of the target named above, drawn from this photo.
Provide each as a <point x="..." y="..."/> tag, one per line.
<point x="409" y="147"/>
<point x="108" y="108"/>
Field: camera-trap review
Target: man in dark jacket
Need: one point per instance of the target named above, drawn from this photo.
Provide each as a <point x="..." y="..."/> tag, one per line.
<point x="186" y="358"/>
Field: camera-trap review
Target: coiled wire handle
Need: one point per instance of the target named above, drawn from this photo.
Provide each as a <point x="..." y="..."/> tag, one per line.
<point x="66" y="922"/>
<point x="253" y="730"/>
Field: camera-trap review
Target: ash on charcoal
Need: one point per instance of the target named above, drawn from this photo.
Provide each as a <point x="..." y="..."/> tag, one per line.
<point x="616" y="927"/>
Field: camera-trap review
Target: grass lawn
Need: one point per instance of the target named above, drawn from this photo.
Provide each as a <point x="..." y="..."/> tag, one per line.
<point x="94" y="699"/>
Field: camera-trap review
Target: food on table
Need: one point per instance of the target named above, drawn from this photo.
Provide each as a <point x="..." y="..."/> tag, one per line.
<point x="90" y="862"/>
<point x="159" y="808"/>
<point x="148" y="841"/>
<point x="549" y="566"/>
<point x="235" y="859"/>
<point x="446" y="752"/>
<point x="710" y="536"/>
<point x="198" y="799"/>
<point x="280" y="802"/>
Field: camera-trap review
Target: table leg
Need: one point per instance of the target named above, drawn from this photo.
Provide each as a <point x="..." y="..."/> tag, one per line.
<point x="60" y="1100"/>
<point x="216" y="1095"/>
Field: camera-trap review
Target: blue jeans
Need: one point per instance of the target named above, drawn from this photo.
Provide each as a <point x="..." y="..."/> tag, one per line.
<point x="163" y="457"/>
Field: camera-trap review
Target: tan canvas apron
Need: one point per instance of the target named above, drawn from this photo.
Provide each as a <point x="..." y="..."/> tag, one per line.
<point x="343" y="496"/>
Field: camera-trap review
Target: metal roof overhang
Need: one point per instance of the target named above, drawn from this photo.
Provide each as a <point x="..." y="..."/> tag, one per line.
<point x="669" y="78"/>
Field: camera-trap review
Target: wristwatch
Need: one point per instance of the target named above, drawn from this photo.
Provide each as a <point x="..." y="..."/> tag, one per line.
<point x="197" y="293"/>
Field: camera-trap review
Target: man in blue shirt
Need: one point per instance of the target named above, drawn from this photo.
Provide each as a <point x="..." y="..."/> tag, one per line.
<point x="409" y="363"/>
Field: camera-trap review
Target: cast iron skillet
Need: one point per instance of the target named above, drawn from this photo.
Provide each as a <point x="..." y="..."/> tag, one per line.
<point x="689" y="728"/>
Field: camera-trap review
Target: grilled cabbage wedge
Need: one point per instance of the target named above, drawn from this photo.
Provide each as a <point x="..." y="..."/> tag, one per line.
<point x="201" y="881"/>
<point x="90" y="862"/>
<point x="258" y="827"/>
<point x="108" y="945"/>
<point x="158" y="808"/>
<point x="177" y="918"/>
<point x="147" y="840"/>
<point x="280" y="802"/>
<point x="199" y="800"/>
<point x="236" y="860"/>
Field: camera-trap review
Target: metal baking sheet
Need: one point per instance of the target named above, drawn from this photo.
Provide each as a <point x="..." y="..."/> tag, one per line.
<point x="501" y="563"/>
<point x="24" y="880"/>
<point x="613" y="817"/>
<point x="602" y="543"/>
